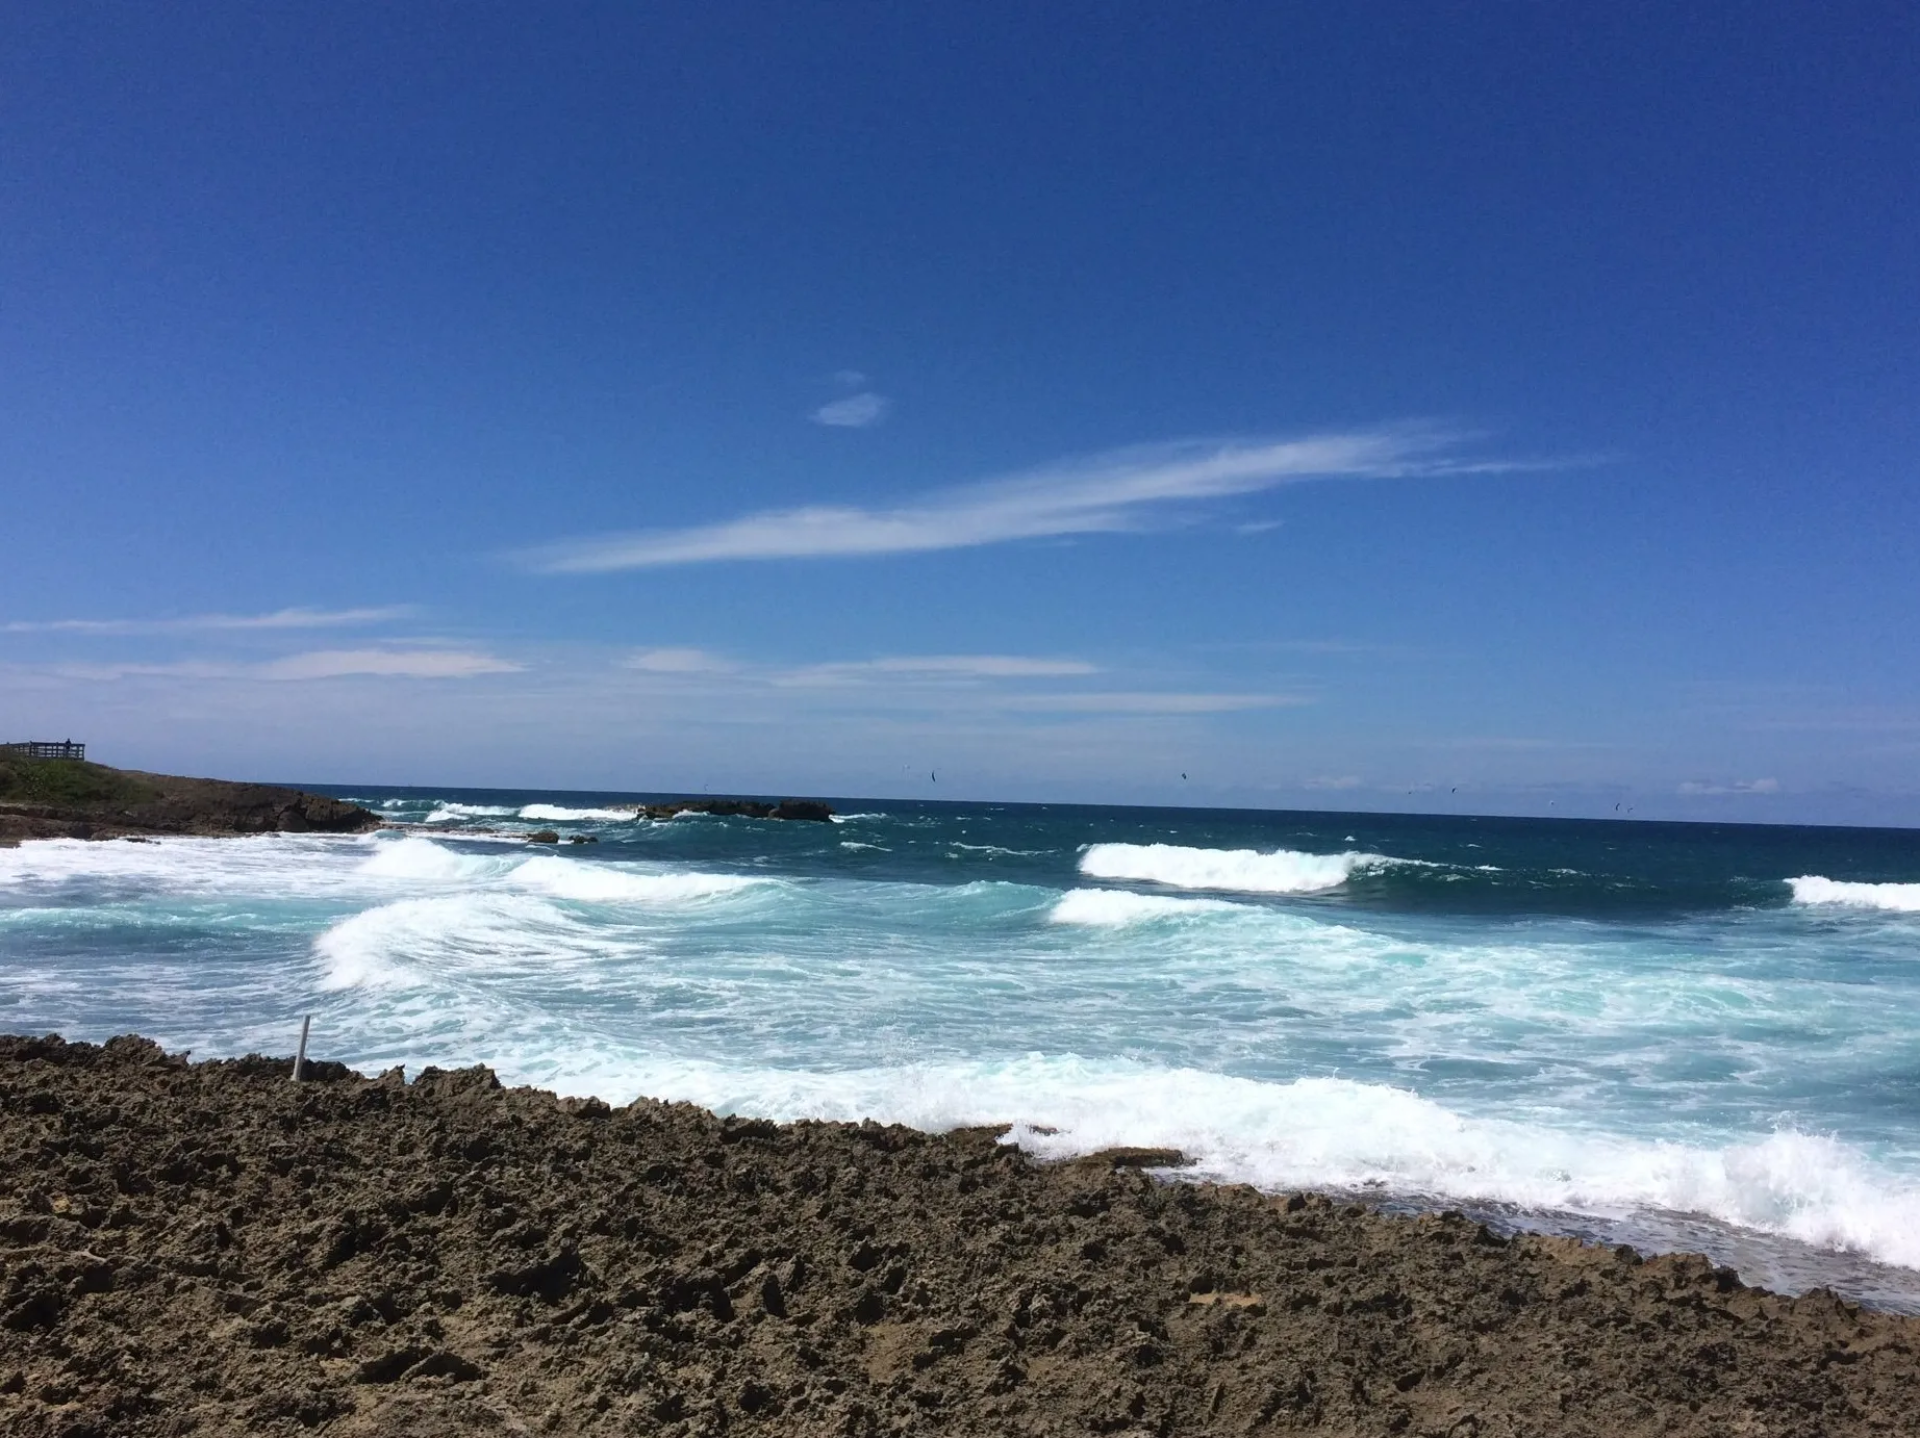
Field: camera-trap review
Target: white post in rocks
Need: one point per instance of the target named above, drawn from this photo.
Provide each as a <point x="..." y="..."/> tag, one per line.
<point x="300" y="1059"/>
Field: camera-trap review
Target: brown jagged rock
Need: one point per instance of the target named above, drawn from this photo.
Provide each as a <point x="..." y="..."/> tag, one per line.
<point x="211" y="1249"/>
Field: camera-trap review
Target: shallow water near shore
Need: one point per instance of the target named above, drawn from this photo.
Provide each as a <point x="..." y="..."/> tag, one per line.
<point x="1673" y="1036"/>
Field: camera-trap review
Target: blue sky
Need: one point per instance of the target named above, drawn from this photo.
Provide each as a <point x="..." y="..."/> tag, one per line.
<point x="1498" y="408"/>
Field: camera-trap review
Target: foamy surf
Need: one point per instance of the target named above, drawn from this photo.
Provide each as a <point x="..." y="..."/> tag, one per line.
<point x="1314" y="1133"/>
<point x="440" y="945"/>
<point x="448" y="812"/>
<point x="1516" y="1048"/>
<point x="557" y="814"/>
<point x="1117" y="908"/>
<point x="1245" y="871"/>
<point x="623" y="884"/>
<point x="1891" y="898"/>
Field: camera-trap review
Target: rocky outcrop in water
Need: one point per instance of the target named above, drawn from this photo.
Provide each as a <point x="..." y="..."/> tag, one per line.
<point x="213" y="1249"/>
<point x="66" y="798"/>
<point x="804" y="809"/>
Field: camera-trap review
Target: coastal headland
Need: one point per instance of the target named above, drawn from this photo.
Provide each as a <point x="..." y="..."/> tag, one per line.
<point x="211" y="1248"/>
<point x="76" y="799"/>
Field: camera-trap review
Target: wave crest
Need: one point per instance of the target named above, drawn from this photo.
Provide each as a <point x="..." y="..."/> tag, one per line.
<point x="1118" y="908"/>
<point x="1246" y="871"/>
<point x="604" y="884"/>
<point x="1891" y="898"/>
<point x="555" y="814"/>
<point x="447" y="811"/>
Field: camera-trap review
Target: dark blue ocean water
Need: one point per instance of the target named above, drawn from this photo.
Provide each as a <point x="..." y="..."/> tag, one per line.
<point x="1676" y="1034"/>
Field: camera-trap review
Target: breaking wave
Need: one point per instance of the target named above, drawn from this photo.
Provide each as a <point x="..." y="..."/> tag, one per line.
<point x="607" y="884"/>
<point x="1893" y="898"/>
<point x="555" y="814"/>
<point x="1323" y="1133"/>
<point x="447" y="812"/>
<point x="1116" y="908"/>
<point x="1246" y="871"/>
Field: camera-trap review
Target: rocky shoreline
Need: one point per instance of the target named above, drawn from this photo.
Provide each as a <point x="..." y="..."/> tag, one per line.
<point x="211" y="1248"/>
<point x="74" y="799"/>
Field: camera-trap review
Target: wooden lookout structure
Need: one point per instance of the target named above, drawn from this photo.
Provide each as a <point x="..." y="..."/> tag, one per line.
<point x="46" y="749"/>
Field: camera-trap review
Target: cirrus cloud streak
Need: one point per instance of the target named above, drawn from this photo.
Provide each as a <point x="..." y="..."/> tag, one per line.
<point x="1123" y="490"/>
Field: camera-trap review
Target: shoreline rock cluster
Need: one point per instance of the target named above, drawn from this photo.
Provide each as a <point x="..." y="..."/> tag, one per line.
<point x="76" y="799"/>
<point x="210" y="1248"/>
<point x="805" y="810"/>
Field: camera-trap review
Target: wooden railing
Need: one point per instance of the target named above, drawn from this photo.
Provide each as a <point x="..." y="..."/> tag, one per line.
<point x="45" y="749"/>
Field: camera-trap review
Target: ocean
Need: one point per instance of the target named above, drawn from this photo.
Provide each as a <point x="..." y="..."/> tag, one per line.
<point x="1675" y="1036"/>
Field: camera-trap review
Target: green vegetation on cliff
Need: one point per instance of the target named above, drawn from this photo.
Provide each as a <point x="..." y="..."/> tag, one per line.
<point x="71" y="798"/>
<point x="68" y="782"/>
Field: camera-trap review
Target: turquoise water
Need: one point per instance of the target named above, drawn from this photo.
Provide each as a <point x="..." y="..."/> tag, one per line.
<point x="1662" y="1033"/>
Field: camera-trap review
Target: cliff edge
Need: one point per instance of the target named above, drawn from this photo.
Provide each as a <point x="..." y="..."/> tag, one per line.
<point x="72" y="798"/>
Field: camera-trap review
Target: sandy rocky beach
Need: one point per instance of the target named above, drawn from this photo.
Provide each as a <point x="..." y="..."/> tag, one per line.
<point x="211" y="1248"/>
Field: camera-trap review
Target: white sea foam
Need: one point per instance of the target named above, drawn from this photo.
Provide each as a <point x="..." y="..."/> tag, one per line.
<point x="417" y="860"/>
<point x="423" y="944"/>
<point x="447" y="812"/>
<point x="279" y="864"/>
<point x="1895" y="898"/>
<point x="555" y="814"/>
<point x="1314" y="1133"/>
<point x="1117" y="908"/>
<point x="610" y="884"/>
<point x="1247" y="871"/>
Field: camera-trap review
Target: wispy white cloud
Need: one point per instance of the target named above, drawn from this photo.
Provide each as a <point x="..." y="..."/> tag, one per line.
<point x="977" y="683"/>
<point x="1694" y="788"/>
<point x="678" y="661"/>
<point x="1149" y="702"/>
<point x="1129" y="489"/>
<point x="181" y="669"/>
<point x="856" y="411"/>
<point x="934" y="667"/>
<point x="298" y="618"/>
<point x="388" y="663"/>
<point x="315" y="664"/>
<point x="1336" y="782"/>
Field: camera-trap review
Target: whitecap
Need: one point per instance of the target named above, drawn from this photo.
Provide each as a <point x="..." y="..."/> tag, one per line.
<point x="1284" y="871"/>
<point x="555" y="814"/>
<point x="425" y="943"/>
<point x="448" y="811"/>
<point x="1893" y="898"/>
<point x="592" y="883"/>
<point x="1117" y="908"/>
<point x="416" y="860"/>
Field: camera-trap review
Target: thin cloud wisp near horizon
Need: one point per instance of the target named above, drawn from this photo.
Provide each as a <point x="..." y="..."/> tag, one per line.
<point x="295" y="618"/>
<point x="1123" y="490"/>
